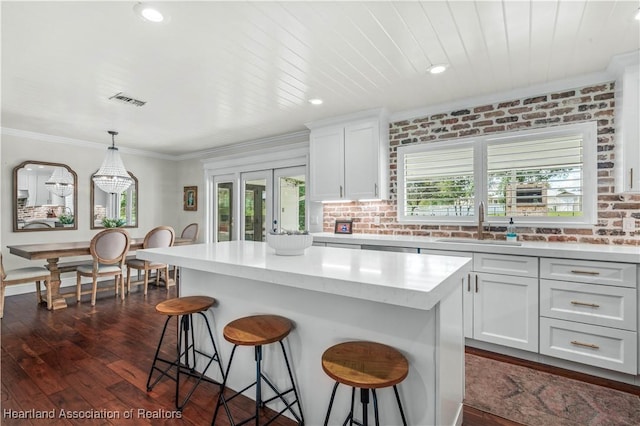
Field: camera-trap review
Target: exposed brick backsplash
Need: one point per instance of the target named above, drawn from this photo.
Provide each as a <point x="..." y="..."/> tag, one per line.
<point x="591" y="103"/>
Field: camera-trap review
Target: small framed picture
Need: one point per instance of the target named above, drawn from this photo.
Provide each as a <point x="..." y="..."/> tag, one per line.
<point x="343" y="227"/>
<point x="190" y="198"/>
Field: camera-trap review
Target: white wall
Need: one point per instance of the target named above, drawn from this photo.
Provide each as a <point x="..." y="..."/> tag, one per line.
<point x="190" y="173"/>
<point x="159" y="198"/>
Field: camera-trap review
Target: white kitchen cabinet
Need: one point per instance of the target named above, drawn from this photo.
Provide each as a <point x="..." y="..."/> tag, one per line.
<point x="349" y="160"/>
<point x="500" y="299"/>
<point x="628" y="130"/>
<point x="588" y="312"/>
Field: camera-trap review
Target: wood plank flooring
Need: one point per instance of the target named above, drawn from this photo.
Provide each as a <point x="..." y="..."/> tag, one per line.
<point x="95" y="361"/>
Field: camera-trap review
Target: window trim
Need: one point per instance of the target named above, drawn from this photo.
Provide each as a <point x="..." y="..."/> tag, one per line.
<point x="588" y="131"/>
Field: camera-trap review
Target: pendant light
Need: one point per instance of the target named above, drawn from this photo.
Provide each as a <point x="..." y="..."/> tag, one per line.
<point x="60" y="183"/>
<point x="112" y="176"/>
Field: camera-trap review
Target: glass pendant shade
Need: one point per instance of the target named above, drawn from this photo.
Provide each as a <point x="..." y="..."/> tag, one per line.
<point x="112" y="176"/>
<point x="60" y="183"/>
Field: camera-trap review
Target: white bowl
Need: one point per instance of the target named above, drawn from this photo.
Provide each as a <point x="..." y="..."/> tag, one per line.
<point x="289" y="245"/>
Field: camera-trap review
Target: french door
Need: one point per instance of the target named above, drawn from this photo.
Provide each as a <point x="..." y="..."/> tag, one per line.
<point x="248" y="205"/>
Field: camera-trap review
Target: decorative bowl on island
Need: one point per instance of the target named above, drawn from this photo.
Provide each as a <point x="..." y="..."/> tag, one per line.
<point x="289" y="244"/>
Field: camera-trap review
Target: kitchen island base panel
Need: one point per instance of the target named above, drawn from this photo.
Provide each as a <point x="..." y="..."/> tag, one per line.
<point x="431" y="340"/>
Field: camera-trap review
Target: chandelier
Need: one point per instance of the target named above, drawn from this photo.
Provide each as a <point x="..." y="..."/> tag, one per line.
<point x="61" y="182"/>
<point x="112" y="176"/>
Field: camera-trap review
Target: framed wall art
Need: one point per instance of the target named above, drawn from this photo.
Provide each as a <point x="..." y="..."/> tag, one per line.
<point x="190" y="198"/>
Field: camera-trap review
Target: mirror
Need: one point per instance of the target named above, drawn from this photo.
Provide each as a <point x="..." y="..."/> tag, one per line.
<point x="45" y="197"/>
<point x="122" y="206"/>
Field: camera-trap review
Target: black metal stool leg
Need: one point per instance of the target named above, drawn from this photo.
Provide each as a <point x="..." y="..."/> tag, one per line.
<point x="350" y="416"/>
<point x="258" y="352"/>
<point x="221" y="398"/>
<point x="375" y="406"/>
<point x="155" y="358"/>
<point x="364" y="399"/>
<point x="293" y="386"/>
<point x="333" y="394"/>
<point x="404" y="420"/>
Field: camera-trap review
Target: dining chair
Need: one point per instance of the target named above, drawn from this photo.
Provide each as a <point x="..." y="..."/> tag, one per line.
<point x="36" y="225"/>
<point x="161" y="236"/>
<point x="109" y="250"/>
<point x="190" y="232"/>
<point x="24" y="275"/>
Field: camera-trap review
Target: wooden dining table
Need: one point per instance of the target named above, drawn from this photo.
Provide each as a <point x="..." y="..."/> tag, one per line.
<point x="52" y="252"/>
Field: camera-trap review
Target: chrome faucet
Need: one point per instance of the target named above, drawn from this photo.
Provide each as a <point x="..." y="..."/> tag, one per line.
<point x="481" y="220"/>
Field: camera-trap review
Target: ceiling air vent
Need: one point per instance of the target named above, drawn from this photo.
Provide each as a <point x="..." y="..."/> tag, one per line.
<point x="127" y="99"/>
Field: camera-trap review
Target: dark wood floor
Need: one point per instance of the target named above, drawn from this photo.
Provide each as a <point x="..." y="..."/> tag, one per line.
<point x="96" y="360"/>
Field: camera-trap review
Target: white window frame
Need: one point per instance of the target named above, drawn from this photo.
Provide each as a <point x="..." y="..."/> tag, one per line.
<point x="588" y="131"/>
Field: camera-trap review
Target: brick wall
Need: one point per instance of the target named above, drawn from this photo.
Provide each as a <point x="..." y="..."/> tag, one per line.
<point x="591" y="103"/>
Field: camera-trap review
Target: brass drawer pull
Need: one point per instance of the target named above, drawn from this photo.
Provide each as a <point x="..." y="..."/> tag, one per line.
<point x="577" y="271"/>
<point x="586" y="345"/>
<point x="593" y="305"/>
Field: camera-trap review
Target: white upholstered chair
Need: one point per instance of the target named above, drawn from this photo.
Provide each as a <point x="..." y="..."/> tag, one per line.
<point x="24" y="275"/>
<point x="109" y="250"/>
<point x="191" y="232"/>
<point x="161" y="236"/>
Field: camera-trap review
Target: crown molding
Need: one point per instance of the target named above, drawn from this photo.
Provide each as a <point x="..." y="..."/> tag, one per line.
<point x="242" y="149"/>
<point x="6" y="131"/>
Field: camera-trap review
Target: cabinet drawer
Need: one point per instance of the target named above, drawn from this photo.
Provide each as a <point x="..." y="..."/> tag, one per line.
<point x="589" y="344"/>
<point x="587" y="271"/>
<point x="589" y="303"/>
<point x="505" y="264"/>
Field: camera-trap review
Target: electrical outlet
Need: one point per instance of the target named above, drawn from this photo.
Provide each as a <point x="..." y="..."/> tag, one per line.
<point x="376" y="220"/>
<point x="628" y="224"/>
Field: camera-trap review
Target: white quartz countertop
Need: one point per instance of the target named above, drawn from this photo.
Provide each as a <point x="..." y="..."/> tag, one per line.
<point x="611" y="253"/>
<point x="411" y="280"/>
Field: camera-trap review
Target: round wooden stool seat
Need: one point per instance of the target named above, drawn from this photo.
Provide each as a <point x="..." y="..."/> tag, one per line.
<point x="257" y="330"/>
<point x="185" y="305"/>
<point x="365" y="365"/>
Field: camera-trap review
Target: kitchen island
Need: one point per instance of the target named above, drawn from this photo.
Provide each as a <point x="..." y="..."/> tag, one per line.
<point x="409" y="301"/>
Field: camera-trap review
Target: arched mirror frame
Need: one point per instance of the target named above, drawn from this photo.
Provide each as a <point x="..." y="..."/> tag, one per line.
<point x="14" y="200"/>
<point x="92" y="216"/>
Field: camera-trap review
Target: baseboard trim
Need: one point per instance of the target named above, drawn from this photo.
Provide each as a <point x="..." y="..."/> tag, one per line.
<point x="583" y="377"/>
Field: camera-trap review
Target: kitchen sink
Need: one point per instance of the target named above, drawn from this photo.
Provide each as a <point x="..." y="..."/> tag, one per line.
<point x="471" y="241"/>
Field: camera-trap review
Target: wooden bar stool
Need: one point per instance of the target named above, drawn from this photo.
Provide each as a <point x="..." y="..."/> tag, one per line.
<point x="183" y="308"/>
<point x="257" y="331"/>
<point x="367" y="366"/>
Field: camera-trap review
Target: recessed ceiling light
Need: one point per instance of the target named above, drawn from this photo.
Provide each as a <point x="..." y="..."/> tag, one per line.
<point x="315" y="101"/>
<point x="438" y="68"/>
<point x="148" y="12"/>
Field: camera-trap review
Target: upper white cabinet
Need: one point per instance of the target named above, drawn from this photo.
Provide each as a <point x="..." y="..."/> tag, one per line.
<point x="349" y="158"/>
<point x="628" y="130"/>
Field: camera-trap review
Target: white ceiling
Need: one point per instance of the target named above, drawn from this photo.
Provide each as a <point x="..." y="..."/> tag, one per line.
<point x="224" y="72"/>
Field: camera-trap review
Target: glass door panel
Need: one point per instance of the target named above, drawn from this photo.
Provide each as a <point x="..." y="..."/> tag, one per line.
<point x="224" y="211"/>
<point x="290" y="200"/>
<point x="256" y="205"/>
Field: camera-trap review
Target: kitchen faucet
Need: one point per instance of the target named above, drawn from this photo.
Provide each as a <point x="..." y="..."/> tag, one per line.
<point x="481" y="220"/>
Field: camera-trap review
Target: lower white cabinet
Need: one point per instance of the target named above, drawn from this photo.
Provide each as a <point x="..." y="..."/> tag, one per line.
<point x="505" y="310"/>
<point x="501" y="301"/>
<point x="588" y="313"/>
<point x="603" y="347"/>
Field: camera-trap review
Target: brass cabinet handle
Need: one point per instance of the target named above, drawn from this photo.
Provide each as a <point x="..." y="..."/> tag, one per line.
<point x="476" y="283"/>
<point x="593" y="305"/>
<point x="586" y="345"/>
<point x="577" y="271"/>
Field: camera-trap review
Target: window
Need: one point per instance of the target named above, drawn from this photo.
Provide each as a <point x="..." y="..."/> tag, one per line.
<point x="546" y="176"/>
